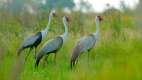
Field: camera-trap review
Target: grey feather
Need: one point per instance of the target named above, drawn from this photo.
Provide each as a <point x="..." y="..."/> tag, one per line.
<point x="30" y="40"/>
<point x="51" y="46"/>
<point x="84" y="44"/>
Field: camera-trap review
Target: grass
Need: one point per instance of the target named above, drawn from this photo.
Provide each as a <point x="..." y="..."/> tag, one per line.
<point x="116" y="56"/>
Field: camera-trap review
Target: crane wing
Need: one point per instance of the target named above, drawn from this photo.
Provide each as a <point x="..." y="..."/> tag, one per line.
<point x="31" y="40"/>
<point x="86" y="42"/>
<point x="52" y="45"/>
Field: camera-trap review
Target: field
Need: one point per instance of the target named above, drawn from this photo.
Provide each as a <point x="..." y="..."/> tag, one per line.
<point x="116" y="56"/>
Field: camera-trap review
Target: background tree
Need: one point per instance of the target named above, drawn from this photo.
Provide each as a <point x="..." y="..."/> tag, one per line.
<point x="49" y="4"/>
<point x="138" y="15"/>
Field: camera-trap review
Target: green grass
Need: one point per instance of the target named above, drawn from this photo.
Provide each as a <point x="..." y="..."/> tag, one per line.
<point x="116" y="56"/>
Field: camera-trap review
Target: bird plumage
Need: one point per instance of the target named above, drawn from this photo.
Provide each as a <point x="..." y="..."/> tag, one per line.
<point x="51" y="47"/>
<point x="34" y="40"/>
<point x="85" y="44"/>
<point x="65" y="35"/>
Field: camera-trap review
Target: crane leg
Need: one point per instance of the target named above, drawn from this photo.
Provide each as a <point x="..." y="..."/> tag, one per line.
<point x="55" y="58"/>
<point x="46" y="58"/>
<point x="88" y="56"/>
<point x="35" y="53"/>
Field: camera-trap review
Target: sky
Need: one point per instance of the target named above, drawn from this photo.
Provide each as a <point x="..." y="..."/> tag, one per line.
<point x="100" y="5"/>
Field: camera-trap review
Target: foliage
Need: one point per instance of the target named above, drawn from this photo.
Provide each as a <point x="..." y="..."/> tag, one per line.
<point x="113" y="58"/>
<point x="18" y="6"/>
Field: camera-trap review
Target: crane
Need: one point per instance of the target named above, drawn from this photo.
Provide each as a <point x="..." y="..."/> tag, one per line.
<point x="86" y="43"/>
<point x="53" y="45"/>
<point x="34" y="40"/>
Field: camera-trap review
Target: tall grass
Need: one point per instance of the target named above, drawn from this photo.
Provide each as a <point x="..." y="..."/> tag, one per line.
<point x="113" y="58"/>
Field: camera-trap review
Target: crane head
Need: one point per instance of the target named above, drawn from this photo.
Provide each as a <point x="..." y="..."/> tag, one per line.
<point x="53" y="12"/>
<point x="99" y="18"/>
<point x="67" y="18"/>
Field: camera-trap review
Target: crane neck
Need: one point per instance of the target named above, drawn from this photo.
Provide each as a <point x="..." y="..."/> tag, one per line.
<point x="97" y="33"/>
<point x="65" y="35"/>
<point x="45" y="31"/>
<point x="49" y="22"/>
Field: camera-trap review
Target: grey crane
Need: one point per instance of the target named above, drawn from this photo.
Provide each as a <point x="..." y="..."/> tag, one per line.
<point x="86" y="43"/>
<point x="34" y="40"/>
<point x="53" y="45"/>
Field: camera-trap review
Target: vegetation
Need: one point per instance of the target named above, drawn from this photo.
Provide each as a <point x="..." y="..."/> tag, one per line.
<point x="117" y="55"/>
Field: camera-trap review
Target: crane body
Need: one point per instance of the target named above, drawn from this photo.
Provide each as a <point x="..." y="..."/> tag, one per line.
<point x="85" y="44"/>
<point x="34" y="40"/>
<point x="31" y="42"/>
<point x="53" y="45"/>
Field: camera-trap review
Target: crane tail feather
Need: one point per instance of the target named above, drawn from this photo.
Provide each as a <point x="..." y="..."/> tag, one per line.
<point x="19" y="51"/>
<point x="75" y="54"/>
<point x="38" y="58"/>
